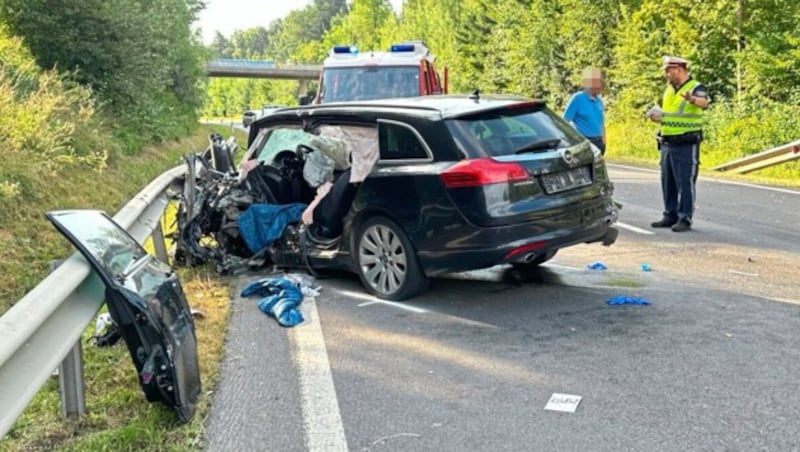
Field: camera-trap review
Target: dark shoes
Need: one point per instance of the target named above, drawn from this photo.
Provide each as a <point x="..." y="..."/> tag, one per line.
<point x="663" y="223"/>
<point x="681" y="226"/>
<point x="677" y="226"/>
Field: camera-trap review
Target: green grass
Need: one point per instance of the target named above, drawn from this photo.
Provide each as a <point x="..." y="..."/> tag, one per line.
<point x="119" y="416"/>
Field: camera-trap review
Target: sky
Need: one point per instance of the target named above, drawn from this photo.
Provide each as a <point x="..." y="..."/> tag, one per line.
<point x="226" y="16"/>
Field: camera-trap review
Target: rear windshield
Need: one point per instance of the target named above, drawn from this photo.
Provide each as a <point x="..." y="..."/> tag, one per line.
<point x="505" y="132"/>
<point x="370" y="82"/>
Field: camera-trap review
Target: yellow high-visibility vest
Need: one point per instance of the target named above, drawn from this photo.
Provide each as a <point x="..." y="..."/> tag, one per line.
<point x="680" y="116"/>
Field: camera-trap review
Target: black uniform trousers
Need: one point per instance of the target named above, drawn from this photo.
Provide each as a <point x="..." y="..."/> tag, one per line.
<point x="679" y="165"/>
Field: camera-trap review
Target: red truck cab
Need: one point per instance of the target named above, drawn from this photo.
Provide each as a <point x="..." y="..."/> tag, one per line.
<point x="406" y="70"/>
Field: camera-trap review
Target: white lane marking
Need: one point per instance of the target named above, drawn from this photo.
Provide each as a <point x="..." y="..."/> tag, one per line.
<point x="370" y="300"/>
<point x="322" y="420"/>
<point x="736" y="272"/>
<point x="635" y="168"/>
<point x="762" y="187"/>
<point x="783" y="300"/>
<point x="634" y="228"/>
<point x="564" y="267"/>
<point x="714" y="179"/>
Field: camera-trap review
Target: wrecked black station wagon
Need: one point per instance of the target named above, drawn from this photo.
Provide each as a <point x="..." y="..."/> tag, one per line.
<point x="399" y="190"/>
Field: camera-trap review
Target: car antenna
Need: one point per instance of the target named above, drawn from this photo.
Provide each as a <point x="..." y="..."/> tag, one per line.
<point x="476" y="95"/>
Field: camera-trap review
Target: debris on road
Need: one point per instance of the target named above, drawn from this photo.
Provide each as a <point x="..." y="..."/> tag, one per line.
<point x="565" y="403"/>
<point x="622" y="299"/>
<point x="382" y="441"/>
<point x="646" y="267"/>
<point x="597" y="266"/>
<point x="282" y="296"/>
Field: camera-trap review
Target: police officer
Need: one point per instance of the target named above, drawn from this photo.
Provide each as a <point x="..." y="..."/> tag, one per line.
<point x="681" y="119"/>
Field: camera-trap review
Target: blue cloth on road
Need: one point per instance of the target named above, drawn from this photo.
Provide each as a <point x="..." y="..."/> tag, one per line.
<point x="281" y="299"/>
<point x="586" y="113"/>
<point x="596" y="266"/>
<point x="262" y="224"/>
<point x="622" y="299"/>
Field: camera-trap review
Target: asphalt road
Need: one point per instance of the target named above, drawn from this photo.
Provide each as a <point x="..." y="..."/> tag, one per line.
<point x="711" y="364"/>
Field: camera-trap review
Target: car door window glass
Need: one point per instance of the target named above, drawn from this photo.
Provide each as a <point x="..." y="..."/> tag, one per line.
<point x="399" y="142"/>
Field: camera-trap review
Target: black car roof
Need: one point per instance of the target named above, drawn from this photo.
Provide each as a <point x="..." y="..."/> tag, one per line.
<point x="443" y="106"/>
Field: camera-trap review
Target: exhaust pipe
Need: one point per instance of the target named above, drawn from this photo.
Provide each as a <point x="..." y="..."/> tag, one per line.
<point x="528" y="258"/>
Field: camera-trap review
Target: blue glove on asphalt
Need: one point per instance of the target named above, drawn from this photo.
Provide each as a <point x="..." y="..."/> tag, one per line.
<point x="621" y="299"/>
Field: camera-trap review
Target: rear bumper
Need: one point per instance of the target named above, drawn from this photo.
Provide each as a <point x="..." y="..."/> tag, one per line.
<point x="471" y="248"/>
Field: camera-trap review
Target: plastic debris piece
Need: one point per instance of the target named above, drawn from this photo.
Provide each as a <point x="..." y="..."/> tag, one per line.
<point x="646" y="267"/>
<point x="103" y="321"/>
<point x="597" y="266"/>
<point x="622" y="299"/>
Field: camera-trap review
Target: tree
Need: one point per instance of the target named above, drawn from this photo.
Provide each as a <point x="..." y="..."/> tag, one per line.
<point x="140" y="57"/>
<point x="369" y="25"/>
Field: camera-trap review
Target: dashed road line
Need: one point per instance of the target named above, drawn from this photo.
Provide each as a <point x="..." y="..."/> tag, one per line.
<point x="371" y="300"/>
<point x="634" y="228"/>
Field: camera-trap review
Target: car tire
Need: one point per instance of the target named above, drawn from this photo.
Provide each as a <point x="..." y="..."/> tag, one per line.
<point x="386" y="261"/>
<point x="539" y="260"/>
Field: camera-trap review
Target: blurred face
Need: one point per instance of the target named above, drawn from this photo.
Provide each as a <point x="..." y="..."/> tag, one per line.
<point x="593" y="82"/>
<point x="675" y="75"/>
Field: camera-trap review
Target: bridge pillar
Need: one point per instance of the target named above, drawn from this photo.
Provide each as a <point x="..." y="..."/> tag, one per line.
<point x="302" y="90"/>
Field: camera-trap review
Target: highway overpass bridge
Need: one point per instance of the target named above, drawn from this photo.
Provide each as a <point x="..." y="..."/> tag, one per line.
<point x="265" y="70"/>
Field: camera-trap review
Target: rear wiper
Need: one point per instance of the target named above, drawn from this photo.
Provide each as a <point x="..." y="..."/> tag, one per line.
<point x="539" y="145"/>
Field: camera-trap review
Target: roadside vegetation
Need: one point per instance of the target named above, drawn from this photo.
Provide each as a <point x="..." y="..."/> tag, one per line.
<point x="746" y="52"/>
<point x="76" y="138"/>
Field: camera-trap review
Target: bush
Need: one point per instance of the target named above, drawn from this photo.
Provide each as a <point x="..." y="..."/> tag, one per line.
<point x="49" y="125"/>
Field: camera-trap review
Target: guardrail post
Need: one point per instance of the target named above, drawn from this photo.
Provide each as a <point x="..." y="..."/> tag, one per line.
<point x="158" y="243"/>
<point x="70" y="383"/>
<point x="70" y="377"/>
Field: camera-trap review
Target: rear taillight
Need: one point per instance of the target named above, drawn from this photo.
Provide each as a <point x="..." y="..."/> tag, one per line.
<point x="478" y="172"/>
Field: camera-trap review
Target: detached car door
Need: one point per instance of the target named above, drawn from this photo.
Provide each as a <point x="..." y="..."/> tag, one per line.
<point x="146" y="300"/>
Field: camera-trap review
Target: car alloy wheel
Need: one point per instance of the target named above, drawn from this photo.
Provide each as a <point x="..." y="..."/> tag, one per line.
<point x="386" y="261"/>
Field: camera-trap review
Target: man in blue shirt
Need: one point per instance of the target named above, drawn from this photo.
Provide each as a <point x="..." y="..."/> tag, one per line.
<point x="585" y="109"/>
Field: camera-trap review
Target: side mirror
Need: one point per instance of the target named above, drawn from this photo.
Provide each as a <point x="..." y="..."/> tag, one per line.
<point x="247" y="120"/>
<point x="304" y="99"/>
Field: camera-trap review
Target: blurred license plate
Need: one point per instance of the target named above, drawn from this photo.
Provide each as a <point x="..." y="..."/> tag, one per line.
<point x="566" y="180"/>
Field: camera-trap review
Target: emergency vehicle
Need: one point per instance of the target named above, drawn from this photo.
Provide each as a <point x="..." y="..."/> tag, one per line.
<point x="406" y="70"/>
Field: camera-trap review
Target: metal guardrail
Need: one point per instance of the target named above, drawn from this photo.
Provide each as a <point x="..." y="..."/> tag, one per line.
<point x="43" y="330"/>
<point x="770" y="157"/>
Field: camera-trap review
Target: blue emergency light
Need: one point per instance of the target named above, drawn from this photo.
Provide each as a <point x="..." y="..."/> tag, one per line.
<point x="402" y="48"/>
<point x="345" y="49"/>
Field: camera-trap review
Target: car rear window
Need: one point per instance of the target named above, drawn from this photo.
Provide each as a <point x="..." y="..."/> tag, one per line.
<point x="504" y="132"/>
